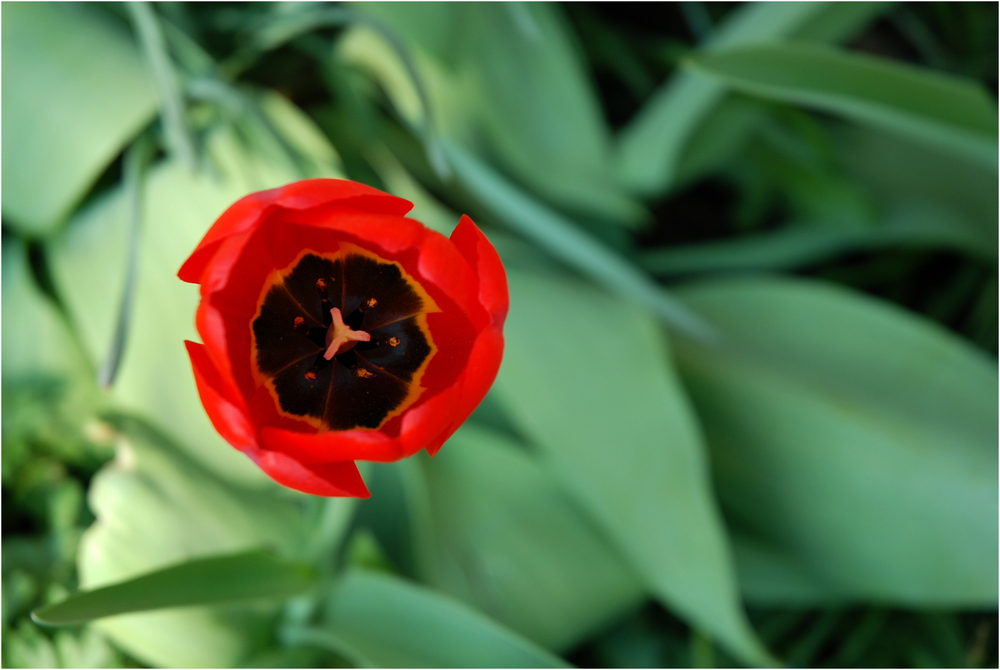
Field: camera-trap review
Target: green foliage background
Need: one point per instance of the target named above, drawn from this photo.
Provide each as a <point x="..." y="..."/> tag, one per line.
<point x="748" y="408"/>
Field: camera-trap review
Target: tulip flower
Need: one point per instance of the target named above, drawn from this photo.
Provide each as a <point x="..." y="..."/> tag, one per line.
<point x="335" y="329"/>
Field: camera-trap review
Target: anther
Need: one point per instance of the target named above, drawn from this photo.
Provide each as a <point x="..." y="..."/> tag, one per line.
<point x="393" y="341"/>
<point x="321" y="286"/>
<point x="362" y="373"/>
<point x="299" y="323"/>
<point x="311" y="375"/>
<point x="372" y="302"/>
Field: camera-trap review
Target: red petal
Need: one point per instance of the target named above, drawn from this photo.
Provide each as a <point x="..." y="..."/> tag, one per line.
<point x="326" y="226"/>
<point x="331" y="479"/>
<point x="427" y="425"/>
<point x="485" y="262"/>
<point x="222" y="402"/>
<point x="246" y="212"/>
<point x="442" y="265"/>
<point x="362" y="445"/>
<point x="310" y="193"/>
<point x="480" y="372"/>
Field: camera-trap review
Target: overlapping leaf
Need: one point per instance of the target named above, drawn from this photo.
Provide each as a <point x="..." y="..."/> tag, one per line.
<point x="588" y="378"/>
<point x="858" y="439"/>
<point x="505" y="538"/>
<point x="76" y="90"/>
<point x="928" y="106"/>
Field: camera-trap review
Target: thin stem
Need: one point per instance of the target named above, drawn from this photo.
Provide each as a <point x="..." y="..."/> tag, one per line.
<point x="151" y="35"/>
<point x="136" y="158"/>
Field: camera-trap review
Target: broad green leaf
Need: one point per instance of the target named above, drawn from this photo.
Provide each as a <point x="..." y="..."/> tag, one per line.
<point x="156" y="507"/>
<point x="796" y="246"/>
<point x="200" y="581"/>
<point x="390" y="623"/>
<point x="928" y="106"/>
<point x="855" y="438"/>
<point x="508" y="540"/>
<point x="37" y="342"/>
<point x="155" y="378"/>
<point x="651" y="145"/>
<point x="538" y="106"/>
<point x="588" y="378"/>
<point x="509" y="82"/>
<point x="74" y="91"/>
<point x="770" y="577"/>
<point x="568" y="243"/>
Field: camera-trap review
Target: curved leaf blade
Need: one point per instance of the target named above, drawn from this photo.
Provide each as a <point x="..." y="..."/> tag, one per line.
<point x="74" y="91"/>
<point x="857" y="439"/>
<point x="928" y="106"/>
<point x="392" y="623"/>
<point x="621" y="435"/>
<point x="204" y="581"/>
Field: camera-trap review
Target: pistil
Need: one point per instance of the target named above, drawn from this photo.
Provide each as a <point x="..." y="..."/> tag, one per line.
<point x="340" y="337"/>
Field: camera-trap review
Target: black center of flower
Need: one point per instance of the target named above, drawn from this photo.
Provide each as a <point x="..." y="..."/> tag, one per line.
<point x="363" y="383"/>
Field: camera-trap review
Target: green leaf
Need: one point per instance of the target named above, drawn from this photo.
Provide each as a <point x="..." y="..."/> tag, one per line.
<point x="89" y="262"/>
<point x="928" y="106"/>
<point x="770" y="577"/>
<point x="621" y="435"/>
<point x="651" y="146"/>
<point x="568" y="243"/>
<point x="36" y="339"/>
<point x="204" y="581"/>
<point x="857" y="439"/>
<point x="539" y="108"/>
<point x="841" y="21"/>
<point x="508" y="540"/>
<point x="388" y="622"/>
<point x="74" y="92"/>
<point x="506" y="79"/>
<point x="156" y="507"/>
<point x="797" y="246"/>
<point x="900" y="174"/>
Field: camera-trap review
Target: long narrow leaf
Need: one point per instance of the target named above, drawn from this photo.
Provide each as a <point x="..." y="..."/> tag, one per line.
<point x="136" y="158"/>
<point x="150" y="34"/>
<point x="947" y="111"/>
<point x="651" y="145"/>
<point x="256" y="574"/>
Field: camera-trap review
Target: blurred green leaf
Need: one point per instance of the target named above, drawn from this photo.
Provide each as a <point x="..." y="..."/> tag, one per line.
<point x="801" y="245"/>
<point x="156" y="506"/>
<point x="75" y="90"/>
<point x="387" y="622"/>
<point x="904" y="175"/>
<point x="856" y="438"/>
<point x="771" y="577"/>
<point x="652" y="144"/>
<point x="926" y="105"/>
<point x="509" y="541"/>
<point x="509" y="74"/>
<point x="201" y="581"/>
<point x="147" y="26"/>
<point x="568" y="243"/>
<point x="36" y="339"/>
<point x="621" y="435"/>
<point x="539" y="107"/>
<point x="840" y="21"/>
<point x="155" y="377"/>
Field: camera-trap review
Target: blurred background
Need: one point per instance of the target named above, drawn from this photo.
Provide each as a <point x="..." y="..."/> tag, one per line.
<point x="748" y="409"/>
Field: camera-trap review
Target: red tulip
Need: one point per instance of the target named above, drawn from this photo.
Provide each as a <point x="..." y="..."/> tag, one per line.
<point x="335" y="330"/>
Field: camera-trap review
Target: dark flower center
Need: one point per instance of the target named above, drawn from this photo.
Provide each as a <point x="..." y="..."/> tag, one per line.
<point x="326" y="305"/>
